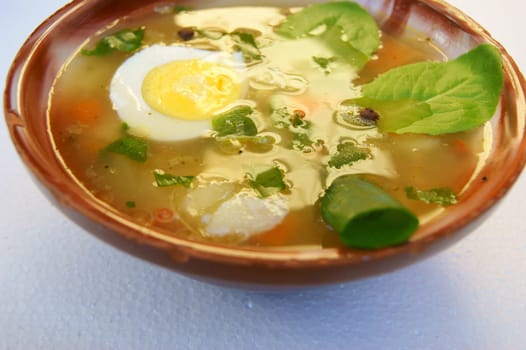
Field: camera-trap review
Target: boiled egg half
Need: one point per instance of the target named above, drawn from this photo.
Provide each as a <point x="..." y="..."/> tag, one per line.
<point x="170" y="93"/>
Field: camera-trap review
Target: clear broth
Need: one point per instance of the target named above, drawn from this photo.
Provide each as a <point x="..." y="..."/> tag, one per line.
<point x="83" y="122"/>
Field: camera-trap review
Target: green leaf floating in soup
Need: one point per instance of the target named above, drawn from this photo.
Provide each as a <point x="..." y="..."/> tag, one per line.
<point x="438" y="97"/>
<point x="267" y="182"/>
<point x="344" y="26"/>
<point x="253" y="126"/>
<point x="125" y="40"/>
<point x="235" y="122"/>
<point x="163" y="179"/>
<point x="131" y="147"/>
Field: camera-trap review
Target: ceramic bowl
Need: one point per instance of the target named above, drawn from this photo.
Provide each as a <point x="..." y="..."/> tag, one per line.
<point x="48" y="47"/>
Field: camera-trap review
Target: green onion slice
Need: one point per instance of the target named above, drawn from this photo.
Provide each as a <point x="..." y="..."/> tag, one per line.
<point x="364" y="215"/>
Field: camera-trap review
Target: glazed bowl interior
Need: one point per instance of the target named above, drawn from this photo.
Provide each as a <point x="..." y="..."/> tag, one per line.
<point x="58" y="38"/>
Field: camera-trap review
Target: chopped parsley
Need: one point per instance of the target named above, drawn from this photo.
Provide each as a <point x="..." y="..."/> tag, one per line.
<point x="180" y="8"/>
<point x="348" y="153"/>
<point x="235" y="122"/>
<point x="246" y="44"/>
<point x="324" y="62"/>
<point x="131" y="147"/>
<point x="163" y="179"/>
<point x="280" y="117"/>
<point x="242" y="42"/>
<point x="210" y="34"/>
<point x="301" y="141"/>
<point x="283" y="117"/>
<point x="268" y="182"/>
<point x="125" y="40"/>
<point x="130" y="204"/>
<point x="441" y="196"/>
<point x="297" y="121"/>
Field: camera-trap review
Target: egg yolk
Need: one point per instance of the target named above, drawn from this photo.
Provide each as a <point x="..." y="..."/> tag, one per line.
<point x="191" y="89"/>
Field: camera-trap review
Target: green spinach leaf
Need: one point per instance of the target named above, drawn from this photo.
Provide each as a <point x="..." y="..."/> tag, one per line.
<point x="438" y="97"/>
<point x="348" y="29"/>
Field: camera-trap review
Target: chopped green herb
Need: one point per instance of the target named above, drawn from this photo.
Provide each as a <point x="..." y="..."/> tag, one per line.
<point x="131" y="147"/>
<point x="280" y="117"/>
<point x="298" y="121"/>
<point x="125" y="40"/>
<point x="441" y="196"/>
<point x="437" y="97"/>
<point x="347" y="28"/>
<point x="267" y="182"/>
<point x="211" y="34"/>
<point x="130" y="204"/>
<point x="324" y="62"/>
<point x="235" y="122"/>
<point x="125" y="127"/>
<point x="163" y="179"/>
<point x="301" y="141"/>
<point x="243" y="42"/>
<point x="179" y="9"/>
<point x="348" y="153"/>
<point x="246" y="43"/>
<point x="364" y="215"/>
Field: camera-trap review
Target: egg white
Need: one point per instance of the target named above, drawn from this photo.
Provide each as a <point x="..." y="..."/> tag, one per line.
<point x="219" y="208"/>
<point x="246" y="214"/>
<point x="126" y="91"/>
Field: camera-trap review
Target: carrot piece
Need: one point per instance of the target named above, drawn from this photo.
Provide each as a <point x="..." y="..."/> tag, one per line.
<point x="87" y="111"/>
<point x="461" y="147"/>
<point x="280" y="234"/>
<point x="163" y="215"/>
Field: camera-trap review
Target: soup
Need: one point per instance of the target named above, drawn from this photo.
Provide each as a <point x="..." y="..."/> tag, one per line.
<point x="255" y="127"/>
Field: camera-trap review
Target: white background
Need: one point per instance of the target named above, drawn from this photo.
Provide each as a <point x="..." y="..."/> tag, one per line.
<point x="60" y="288"/>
